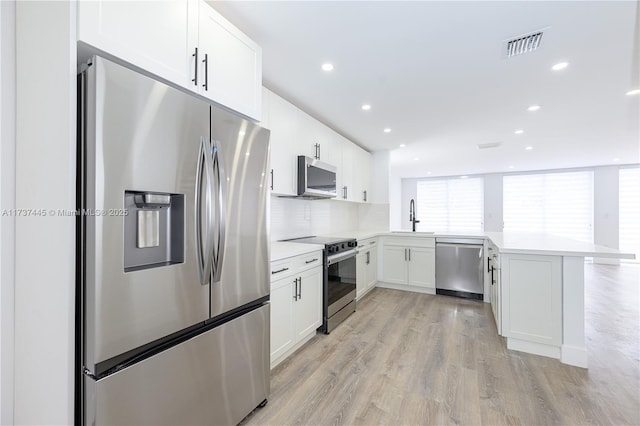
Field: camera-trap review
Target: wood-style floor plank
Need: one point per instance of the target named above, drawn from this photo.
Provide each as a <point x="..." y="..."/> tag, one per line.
<point x="414" y="359"/>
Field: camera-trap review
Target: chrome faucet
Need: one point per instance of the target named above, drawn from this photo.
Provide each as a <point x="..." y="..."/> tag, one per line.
<point x="412" y="215"/>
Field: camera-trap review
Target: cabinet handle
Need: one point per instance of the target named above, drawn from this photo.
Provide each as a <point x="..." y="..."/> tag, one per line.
<point x="344" y="192"/>
<point x="405" y="255"/>
<point x="372" y="242"/>
<point x="409" y="255"/>
<point x="319" y="151"/>
<point x="279" y="270"/>
<point x="364" y="196"/>
<point x="195" y="78"/>
<point x="295" y="289"/>
<point x="368" y="257"/>
<point x="311" y="261"/>
<point x="272" y="179"/>
<point x="206" y="72"/>
<point x="492" y="280"/>
<point x="299" y="288"/>
<point x="488" y="264"/>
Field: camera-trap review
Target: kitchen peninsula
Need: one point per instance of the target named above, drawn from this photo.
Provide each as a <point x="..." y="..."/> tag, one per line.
<point x="536" y="291"/>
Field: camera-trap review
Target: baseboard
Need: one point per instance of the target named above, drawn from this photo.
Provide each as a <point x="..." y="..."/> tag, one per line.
<point x="402" y="287"/>
<point x="533" y="348"/>
<point x="573" y="355"/>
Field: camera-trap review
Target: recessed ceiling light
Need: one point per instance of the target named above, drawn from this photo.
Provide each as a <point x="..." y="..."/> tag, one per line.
<point x="633" y="92"/>
<point x="512" y="167"/>
<point x="416" y="159"/>
<point x="533" y="108"/>
<point x="616" y="159"/>
<point x="519" y="132"/>
<point x="402" y="145"/>
<point x="387" y="130"/>
<point x="464" y="177"/>
<point x="327" y="67"/>
<point x="528" y="148"/>
<point x="428" y="173"/>
<point x="366" y="107"/>
<point x="560" y="66"/>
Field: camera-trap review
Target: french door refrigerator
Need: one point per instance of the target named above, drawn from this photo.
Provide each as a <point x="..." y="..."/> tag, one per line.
<point x="173" y="255"/>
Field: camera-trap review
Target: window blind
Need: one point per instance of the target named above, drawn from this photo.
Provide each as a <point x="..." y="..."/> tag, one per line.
<point x="551" y="203"/>
<point x="451" y="204"/>
<point x="629" y="211"/>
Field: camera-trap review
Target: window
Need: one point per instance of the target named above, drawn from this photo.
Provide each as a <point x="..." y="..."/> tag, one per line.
<point x="629" y="213"/>
<point x="550" y="203"/>
<point x="451" y="204"/>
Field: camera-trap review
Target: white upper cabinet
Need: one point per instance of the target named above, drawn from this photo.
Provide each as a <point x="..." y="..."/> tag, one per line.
<point x="157" y="36"/>
<point x="162" y="38"/>
<point x="356" y="170"/>
<point x="285" y="121"/>
<point x="230" y="64"/>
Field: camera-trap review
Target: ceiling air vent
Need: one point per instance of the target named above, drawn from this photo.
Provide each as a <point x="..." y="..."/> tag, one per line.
<point x="523" y="44"/>
<point x="489" y="145"/>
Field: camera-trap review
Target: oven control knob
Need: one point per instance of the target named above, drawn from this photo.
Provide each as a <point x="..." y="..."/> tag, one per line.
<point x="342" y="245"/>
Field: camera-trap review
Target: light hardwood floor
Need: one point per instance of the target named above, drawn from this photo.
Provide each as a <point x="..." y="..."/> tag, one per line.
<point x="406" y="358"/>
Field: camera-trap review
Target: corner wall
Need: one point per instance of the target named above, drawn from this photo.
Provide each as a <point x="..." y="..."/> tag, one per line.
<point x="7" y="203"/>
<point x="45" y="181"/>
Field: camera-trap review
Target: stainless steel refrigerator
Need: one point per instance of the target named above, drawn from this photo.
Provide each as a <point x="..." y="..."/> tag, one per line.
<point x="173" y="255"/>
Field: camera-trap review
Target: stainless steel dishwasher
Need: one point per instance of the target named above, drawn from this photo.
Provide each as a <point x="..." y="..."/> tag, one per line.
<point x="459" y="267"/>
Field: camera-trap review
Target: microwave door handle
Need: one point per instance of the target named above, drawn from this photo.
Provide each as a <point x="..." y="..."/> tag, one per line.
<point x="220" y="217"/>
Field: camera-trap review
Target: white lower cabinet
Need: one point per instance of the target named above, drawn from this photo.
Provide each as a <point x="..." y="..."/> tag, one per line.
<point x="531" y="301"/>
<point x="366" y="266"/>
<point x="409" y="264"/>
<point x="495" y="285"/>
<point x="296" y="303"/>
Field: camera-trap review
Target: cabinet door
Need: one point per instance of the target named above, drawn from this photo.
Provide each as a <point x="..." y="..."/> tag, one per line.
<point x="372" y="267"/>
<point x="348" y="190"/>
<point x="361" y="273"/>
<point x="495" y="299"/>
<point x="157" y="36"/>
<point x="422" y="267"/>
<point x="307" y="310"/>
<point x="284" y="120"/>
<point x="282" y="335"/>
<point x="365" y="175"/>
<point x="532" y="298"/>
<point x="233" y="73"/>
<point x="394" y="265"/>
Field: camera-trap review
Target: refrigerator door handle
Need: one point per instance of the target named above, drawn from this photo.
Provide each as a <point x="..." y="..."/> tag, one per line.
<point x="204" y="260"/>
<point x="218" y="255"/>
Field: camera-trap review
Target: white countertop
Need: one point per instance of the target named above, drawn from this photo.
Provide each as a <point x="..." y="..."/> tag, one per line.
<point x="507" y="242"/>
<point x="532" y="243"/>
<point x="283" y="249"/>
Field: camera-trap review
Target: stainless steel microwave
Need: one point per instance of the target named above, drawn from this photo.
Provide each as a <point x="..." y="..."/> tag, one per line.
<point x="315" y="178"/>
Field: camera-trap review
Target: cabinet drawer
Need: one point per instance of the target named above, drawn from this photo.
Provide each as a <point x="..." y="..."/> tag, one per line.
<point x="367" y="243"/>
<point x="294" y="265"/>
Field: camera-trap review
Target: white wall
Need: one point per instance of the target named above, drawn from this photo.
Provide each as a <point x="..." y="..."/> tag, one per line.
<point x="45" y="179"/>
<point x="7" y="203"/>
<point x="292" y="218"/>
<point x="605" y="208"/>
<point x="493" y="218"/>
<point x="380" y="169"/>
<point x="409" y="192"/>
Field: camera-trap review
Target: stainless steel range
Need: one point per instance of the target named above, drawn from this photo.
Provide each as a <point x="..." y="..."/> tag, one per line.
<point x="339" y="284"/>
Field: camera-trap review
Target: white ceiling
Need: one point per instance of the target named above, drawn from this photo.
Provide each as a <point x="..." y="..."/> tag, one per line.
<point x="433" y="72"/>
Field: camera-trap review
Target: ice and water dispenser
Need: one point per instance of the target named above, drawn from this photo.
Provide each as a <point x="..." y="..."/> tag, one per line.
<point x="153" y="230"/>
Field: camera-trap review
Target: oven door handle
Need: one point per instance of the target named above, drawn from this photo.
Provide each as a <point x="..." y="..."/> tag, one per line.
<point x="341" y="256"/>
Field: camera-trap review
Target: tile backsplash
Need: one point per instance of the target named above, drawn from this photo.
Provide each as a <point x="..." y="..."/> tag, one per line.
<point x="292" y="218"/>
